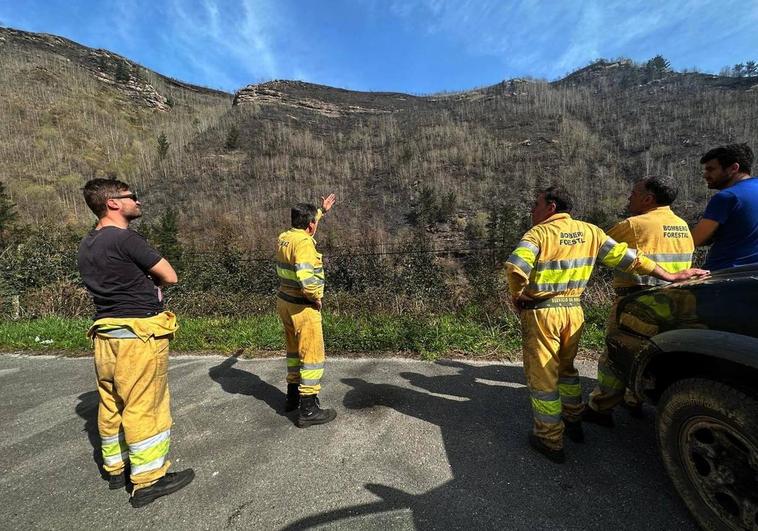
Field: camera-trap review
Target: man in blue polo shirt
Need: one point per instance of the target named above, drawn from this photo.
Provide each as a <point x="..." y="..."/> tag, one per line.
<point x="730" y="221"/>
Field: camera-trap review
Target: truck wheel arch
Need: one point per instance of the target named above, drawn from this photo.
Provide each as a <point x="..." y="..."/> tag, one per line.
<point x="678" y="354"/>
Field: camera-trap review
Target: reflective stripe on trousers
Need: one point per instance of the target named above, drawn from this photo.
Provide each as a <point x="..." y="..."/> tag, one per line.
<point x="151" y="453"/>
<point x="607" y="380"/>
<point x="304" y="338"/>
<point x="609" y="391"/>
<point x="134" y="410"/>
<point x="550" y="342"/>
<point x="546" y="406"/>
<point x="115" y="451"/>
<point x="570" y="389"/>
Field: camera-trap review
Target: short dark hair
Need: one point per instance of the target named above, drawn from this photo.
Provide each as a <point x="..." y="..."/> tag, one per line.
<point x="303" y="214"/>
<point x="560" y="196"/>
<point x="729" y="154"/>
<point x="98" y="191"/>
<point x="663" y="188"/>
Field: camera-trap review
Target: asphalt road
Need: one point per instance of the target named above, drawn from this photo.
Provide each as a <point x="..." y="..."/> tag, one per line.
<point x="416" y="445"/>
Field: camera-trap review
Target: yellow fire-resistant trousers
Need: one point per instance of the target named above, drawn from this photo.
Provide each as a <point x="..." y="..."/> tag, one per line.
<point x="550" y="342"/>
<point x="305" y="345"/>
<point x="610" y="390"/>
<point x="134" y="419"/>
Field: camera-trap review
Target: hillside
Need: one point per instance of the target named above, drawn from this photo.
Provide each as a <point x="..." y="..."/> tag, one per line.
<point x="68" y="113"/>
<point x="462" y="166"/>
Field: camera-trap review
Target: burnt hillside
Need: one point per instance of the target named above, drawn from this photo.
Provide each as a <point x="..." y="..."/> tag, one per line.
<point x="458" y="166"/>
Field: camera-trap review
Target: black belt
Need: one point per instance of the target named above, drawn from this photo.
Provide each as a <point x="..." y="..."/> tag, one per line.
<point x="555" y="302"/>
<point x="293" y="299"/>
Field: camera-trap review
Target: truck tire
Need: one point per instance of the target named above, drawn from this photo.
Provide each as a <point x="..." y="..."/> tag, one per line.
<point x="708" y="437"/>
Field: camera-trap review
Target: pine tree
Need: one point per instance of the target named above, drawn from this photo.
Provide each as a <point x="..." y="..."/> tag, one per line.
<point x="427" y="206"/>
<point x="102" y="63"/>
<point x="123" y="72"/>
<point x="448" y="205"/>
<point x="166" y="236"/>
<point x="232" y="138"/>
<point x="657" y="67"/>
<point x="751" y="68"/>
<point x="7" y="213"/>
<point x="163" y="146"/>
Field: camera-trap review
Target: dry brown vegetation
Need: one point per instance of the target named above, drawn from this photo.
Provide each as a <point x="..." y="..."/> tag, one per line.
<point x="61" y="123"/>
<point x="454" y="170"/>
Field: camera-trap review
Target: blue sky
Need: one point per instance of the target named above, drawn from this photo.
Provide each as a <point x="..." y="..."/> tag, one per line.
<point x="415" y="46"/>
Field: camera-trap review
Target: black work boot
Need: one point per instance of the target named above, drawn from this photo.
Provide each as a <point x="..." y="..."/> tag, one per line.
<point x="311" y="414"/>
<point x="168" y="484"/>
<point x="556" y="456"/>
<point x="293" y="397"/>
<point x="601" y="419"/>
<point x="574" y="430"/>
<point x="117" y="481"/>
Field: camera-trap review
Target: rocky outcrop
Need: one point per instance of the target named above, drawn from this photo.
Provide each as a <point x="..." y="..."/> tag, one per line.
<point x="113" y="69"/>
<point x="289" y="94"/>
<point x="127" y="77"/>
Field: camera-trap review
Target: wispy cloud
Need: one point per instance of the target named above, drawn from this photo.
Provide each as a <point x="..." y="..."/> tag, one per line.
<point x="233" y="43"/>
<point x="554" y="36"/>
<point x="407" y="45"/>
<point x="124" y="19"/>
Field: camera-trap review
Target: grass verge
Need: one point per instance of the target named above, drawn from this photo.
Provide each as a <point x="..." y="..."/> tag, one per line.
<point x="428" y="337"/>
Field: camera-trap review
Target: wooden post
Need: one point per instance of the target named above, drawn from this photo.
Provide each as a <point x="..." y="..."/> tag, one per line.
<point x="15" y="307"/>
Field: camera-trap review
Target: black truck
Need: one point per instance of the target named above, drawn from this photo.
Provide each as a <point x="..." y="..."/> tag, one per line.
<point x="692" y="349"/>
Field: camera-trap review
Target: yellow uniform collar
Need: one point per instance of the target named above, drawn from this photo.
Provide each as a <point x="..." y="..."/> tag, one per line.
<point x="658" y="209"/>
<point x="556" y="217"/>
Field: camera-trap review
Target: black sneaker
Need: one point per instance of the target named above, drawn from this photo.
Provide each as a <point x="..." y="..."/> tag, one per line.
<point x="168" y="484"/>
<point x="117" y="481"/>
<point x="574" y="431"/>
<point x="595" y="417"/>
<point x="556" y="456"/>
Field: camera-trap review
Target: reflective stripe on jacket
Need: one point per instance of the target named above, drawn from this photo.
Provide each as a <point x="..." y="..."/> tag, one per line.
<point x="556" y="258"/>
<point x="660" y="235"/>
<point x="299" y="266"/>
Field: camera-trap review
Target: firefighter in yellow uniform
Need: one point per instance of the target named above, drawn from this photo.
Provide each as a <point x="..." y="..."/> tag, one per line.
<point x="653" y="229"/>
<point x="301" y="287"/>
<point x="547" y="273"/>
<point x="130" y="334"/>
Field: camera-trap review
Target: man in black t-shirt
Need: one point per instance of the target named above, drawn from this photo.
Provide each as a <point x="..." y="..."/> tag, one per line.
<point x="131" y="333"/>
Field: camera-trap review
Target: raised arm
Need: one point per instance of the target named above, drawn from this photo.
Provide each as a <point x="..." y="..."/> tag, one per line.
<point x="327" y="202"/>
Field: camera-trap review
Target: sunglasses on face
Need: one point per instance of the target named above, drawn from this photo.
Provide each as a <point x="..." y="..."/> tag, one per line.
<point x="130" y="195"/>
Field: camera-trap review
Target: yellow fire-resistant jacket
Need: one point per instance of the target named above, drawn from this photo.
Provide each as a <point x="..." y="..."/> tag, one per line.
<point x="299" y="266"/>
<point x="662" y="236"/>
<point x="555" y="258"/>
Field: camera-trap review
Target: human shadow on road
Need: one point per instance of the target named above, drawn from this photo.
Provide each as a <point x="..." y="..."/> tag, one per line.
<point x="86" y="408"/>
<point x="483" y="413"/>
<point x="237" y="381"/>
